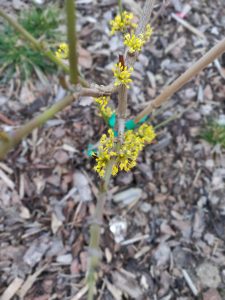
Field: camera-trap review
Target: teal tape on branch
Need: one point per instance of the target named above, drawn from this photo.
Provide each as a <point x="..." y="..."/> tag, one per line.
<point x="91" y="150"/>
<point x="112" y="121"/>
<point x="145" y="118"/>
<point x="115" y="133"/>
<point x="131" y="125"/>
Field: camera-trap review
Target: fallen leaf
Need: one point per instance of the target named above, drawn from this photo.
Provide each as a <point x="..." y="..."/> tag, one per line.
<point x="128" y="197"/>
<point x="84" y="58"/>
<point x="81" y="183"/>
<point x="127" y="285"/>
<point x="55" y="223"/>
<point x="118" y="226"/>
<point x="212" y="294"/>
<point x="162" y="254"/>
<point x="209" y="275"/>
<point x="12" y="289"/>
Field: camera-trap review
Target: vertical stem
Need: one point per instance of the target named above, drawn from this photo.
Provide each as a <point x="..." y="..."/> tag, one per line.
<point x="72" y="39"/>
<point x="95" y="232"/>
<point x="122" y="108"/>
<point x="120" y="7"/>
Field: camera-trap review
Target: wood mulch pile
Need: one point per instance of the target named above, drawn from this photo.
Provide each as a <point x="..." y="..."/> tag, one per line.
<point x="164" y="230"/>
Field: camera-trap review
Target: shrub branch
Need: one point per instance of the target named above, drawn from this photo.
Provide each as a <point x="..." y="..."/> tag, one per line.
<point x="203" y="62"/>
<point x="10" y="140"/>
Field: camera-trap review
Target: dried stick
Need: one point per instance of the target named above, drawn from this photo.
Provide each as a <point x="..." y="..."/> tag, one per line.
<point x="206" y="59"/>
<point x="188" y="26"/>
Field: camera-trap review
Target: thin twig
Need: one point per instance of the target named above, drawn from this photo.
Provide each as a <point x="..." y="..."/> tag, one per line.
<point x="145" y="16"/>
<point x="120" y="7"/>
<point x="10" y="140"/>
<point x="121" y="111"/>
<point x="144" y="20"/>
<point x="188" y="26"/>
<point x="190" y="283"/>
<point x="203" y="62"/>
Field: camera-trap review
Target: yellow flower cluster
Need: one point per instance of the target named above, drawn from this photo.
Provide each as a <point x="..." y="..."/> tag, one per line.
<point x="105" y="152"/>
<point x="125" y="157"/>
<point x="103" y="102"/>
<point x="122" y="23"/>
<point x="122" y="74"/>
<point x="135" y="43"/>
<point x="63" y="51"/>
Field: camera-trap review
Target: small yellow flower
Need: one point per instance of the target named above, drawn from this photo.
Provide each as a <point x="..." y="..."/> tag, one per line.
<point x="148" y="32"/>
<point x="103" y="102"/>
<point x="122" y="75"/>
<point x="146" y="133"/>
<point x="122" y="23"/>
<point x="135" y="43"/>
<point x="107" y="112"/>
<point x="63" y="51"/>
<point x="105" y="152"/>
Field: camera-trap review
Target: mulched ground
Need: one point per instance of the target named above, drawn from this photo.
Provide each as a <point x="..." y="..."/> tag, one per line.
<point x="164" y="230"/>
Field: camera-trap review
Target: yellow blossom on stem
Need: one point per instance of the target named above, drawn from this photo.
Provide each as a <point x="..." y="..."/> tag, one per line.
<point x="107" y="112"/>
<point x="134" y="42"/>
<point x="146" y="133"/>
<point x="122" y="74"/>
<point x="148" y="32"/>
<point x="122" y="23"/>
<point x="125" y="155"/>
<point x="103" y="102"/>
<point x="105" y="152"/>
<point x="63" y="51"/>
